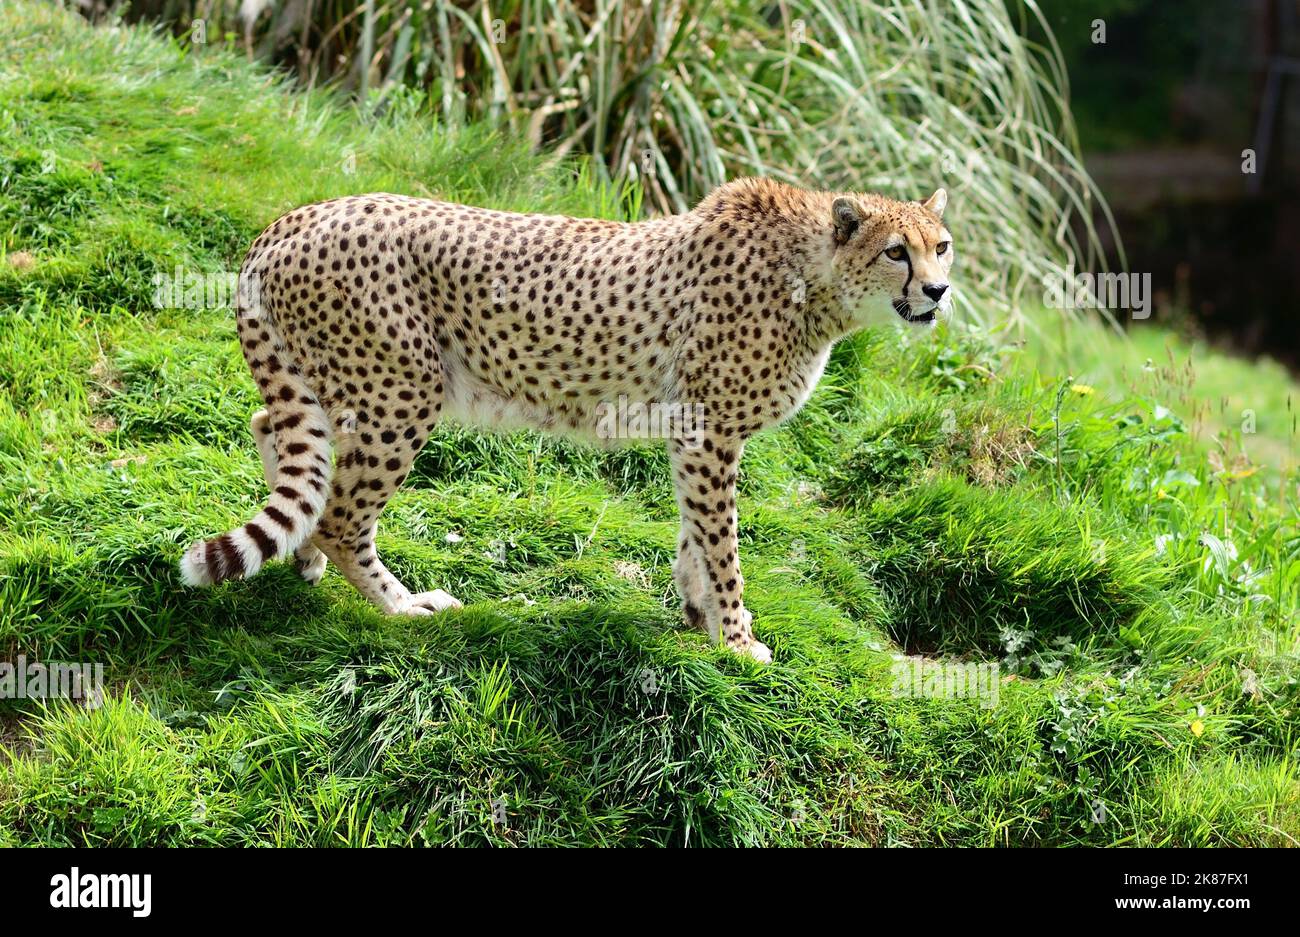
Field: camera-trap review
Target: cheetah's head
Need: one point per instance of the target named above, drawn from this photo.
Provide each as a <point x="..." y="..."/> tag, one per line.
<point x="891" y="259"/>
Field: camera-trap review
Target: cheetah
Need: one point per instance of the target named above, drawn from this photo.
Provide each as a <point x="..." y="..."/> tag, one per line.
<point x="366" y="320"/>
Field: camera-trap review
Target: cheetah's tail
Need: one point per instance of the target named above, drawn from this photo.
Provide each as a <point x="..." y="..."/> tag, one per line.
<point x="302" y="481"/>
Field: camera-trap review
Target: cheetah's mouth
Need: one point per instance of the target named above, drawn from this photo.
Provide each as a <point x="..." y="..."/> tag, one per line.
<point x="904" y="310"/>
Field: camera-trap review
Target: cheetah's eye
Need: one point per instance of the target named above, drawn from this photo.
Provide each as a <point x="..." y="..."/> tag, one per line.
<point x="942" y="247"/>
<point x="897" y="252"/>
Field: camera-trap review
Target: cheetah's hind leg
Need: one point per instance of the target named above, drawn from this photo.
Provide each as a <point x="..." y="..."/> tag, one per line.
<point x="372" y="462"/>
<point x="310" y="561"/>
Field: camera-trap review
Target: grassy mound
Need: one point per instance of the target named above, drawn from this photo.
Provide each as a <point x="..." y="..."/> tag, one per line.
<point x="937" y="503"/>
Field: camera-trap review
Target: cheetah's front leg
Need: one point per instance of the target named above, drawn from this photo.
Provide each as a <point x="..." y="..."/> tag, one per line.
<point x="705" y="481"/>
<point x="688" y="573"/>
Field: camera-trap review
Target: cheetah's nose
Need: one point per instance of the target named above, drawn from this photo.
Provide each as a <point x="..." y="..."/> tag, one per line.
<point x="935" y="290"/>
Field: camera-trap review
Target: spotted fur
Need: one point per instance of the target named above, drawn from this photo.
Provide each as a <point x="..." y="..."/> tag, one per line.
<point x="366" y="320"/>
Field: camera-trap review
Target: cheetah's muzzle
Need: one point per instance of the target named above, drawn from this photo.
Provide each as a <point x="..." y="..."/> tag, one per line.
<point x="904" y="310"/>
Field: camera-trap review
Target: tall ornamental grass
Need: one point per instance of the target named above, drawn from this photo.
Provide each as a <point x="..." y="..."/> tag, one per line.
<point x="896" y="96"/>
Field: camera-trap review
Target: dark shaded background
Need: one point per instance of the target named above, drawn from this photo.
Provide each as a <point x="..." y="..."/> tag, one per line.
<point x="1165" y="108"/>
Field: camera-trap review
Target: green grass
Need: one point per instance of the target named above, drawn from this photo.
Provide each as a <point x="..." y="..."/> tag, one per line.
<point x="916" y="505"/>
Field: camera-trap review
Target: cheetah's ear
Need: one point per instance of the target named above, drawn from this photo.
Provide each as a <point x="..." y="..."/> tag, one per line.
<point x="846" y="218"/>
<point x="937" y="202"/>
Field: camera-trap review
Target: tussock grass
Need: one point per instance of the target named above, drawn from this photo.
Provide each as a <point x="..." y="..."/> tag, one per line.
<point x="915" y="506"/>
<point x="893" y="96"/>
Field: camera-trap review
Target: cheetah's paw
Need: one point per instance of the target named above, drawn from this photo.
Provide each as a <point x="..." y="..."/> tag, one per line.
<point x="311" y="565"/>
<point x="755" y="649"/>
<point x="429" y="603"/>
